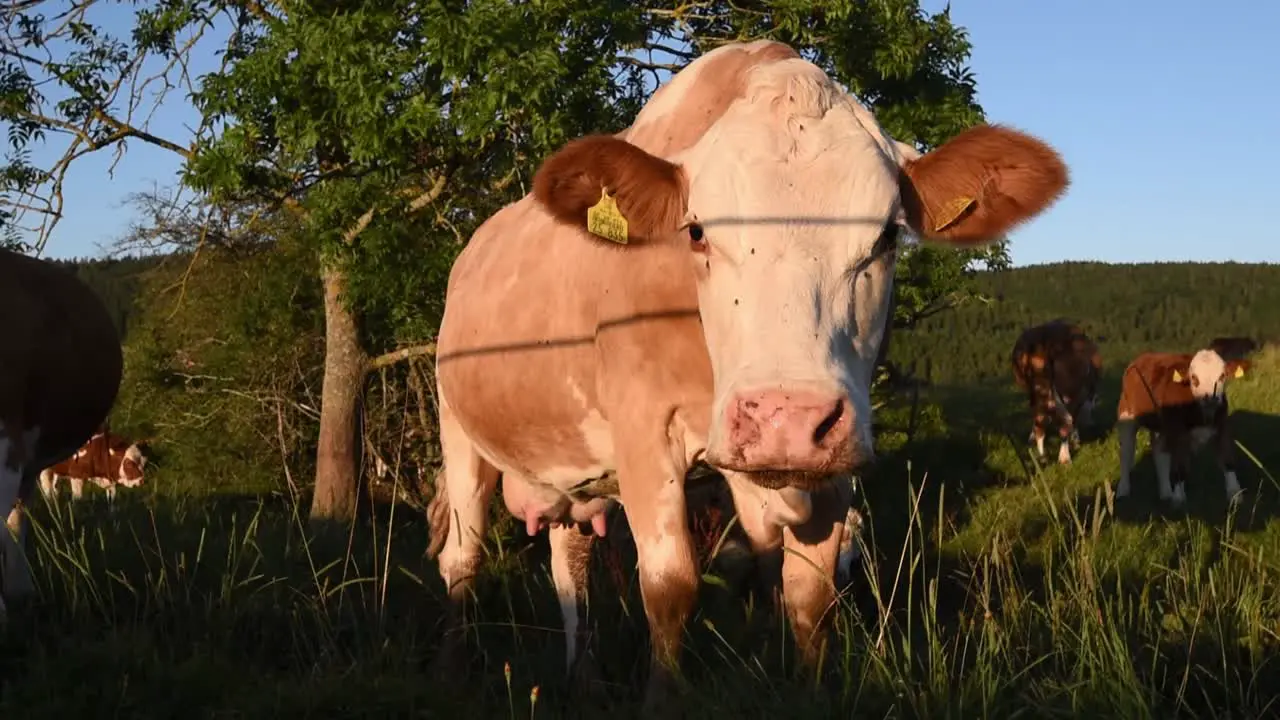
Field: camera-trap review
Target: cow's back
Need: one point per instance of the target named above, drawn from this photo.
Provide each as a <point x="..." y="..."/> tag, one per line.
<point x="62" y="342"/>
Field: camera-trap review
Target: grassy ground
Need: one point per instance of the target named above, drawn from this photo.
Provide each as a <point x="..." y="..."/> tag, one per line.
<point x="990" y="588"/>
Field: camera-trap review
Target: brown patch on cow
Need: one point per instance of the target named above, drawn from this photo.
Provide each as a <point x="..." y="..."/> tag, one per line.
<point x="101" y="457"/>
<point x="720" y="83"/>
<point x="651" y="193"/>
<point x="1010" y="176"/>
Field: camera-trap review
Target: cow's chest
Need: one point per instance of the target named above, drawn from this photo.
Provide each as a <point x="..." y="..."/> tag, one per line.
<point x="1201" y="435"/>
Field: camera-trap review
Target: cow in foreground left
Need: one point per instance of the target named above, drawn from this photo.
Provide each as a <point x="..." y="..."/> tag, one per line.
<point x="60" y="368"/>
<point x="710" y="284"/>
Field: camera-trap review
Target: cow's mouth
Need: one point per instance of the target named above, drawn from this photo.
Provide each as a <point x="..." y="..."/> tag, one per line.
<point x="798" y="480"/>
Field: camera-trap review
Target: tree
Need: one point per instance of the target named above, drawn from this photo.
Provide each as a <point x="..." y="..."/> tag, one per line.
<point x="387" y="131"/>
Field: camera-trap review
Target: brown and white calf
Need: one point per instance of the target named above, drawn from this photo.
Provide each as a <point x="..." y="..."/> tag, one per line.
<point x="1181" y="400"/>
<point x="60" y="366"/>
<point x="711" y="283"/>
<point x="1059" y="367"/>
<point x="108" y="460"/>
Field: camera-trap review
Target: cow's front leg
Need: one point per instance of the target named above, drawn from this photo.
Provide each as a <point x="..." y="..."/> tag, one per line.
<point x="651" y="478"/>
<point x="1127" y="438"/>
<point x="810" y="553"/>
<point x="1227" y="463"/>
<point x="77" y="488"/>
<point x="570" y="563"/>
<point x="1066" y="434"/>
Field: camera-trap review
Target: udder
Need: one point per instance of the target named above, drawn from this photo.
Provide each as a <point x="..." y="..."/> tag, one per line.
<point x="542" y="506"/>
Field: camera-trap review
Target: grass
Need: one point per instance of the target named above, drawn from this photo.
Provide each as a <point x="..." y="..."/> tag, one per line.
<point x="990" y="588"/>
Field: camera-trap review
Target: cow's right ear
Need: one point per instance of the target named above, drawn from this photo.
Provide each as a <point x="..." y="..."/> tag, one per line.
<point x="613" y="189"/>
<point x="1182" y="375"/>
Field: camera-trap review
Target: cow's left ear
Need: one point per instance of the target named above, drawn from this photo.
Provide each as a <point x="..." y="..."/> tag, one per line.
<point x="979" y="185"/>
<point x="1182" y="375"/>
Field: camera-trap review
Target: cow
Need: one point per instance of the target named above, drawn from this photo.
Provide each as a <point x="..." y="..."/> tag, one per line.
<point x="1181" y="400"/>
<point x="1059" y="367"/>
<point x="1233" y="348"/>
<point x="709" y="284"/>
<point x="108" y="460"/>
<point x="60" y="369"/>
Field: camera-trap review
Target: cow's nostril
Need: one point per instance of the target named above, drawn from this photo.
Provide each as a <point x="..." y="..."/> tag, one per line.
<point x="828" y="422"/>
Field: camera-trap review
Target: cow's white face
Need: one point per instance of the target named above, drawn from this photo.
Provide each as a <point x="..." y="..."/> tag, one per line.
<point x="791" y="239"/>
<point x="783" y="207"/>
<point x="1207" y="378"/>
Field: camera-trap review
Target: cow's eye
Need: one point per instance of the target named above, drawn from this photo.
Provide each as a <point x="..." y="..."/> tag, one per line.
<point x="697" y="239"/>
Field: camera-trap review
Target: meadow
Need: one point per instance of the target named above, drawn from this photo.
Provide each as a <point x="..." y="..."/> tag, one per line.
<point x="990" y="586"/>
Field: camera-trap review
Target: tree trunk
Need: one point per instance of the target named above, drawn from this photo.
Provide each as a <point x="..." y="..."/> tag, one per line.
<point x="337" y="452"/>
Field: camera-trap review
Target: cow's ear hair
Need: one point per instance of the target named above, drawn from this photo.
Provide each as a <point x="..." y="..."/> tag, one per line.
<point x="613" y="189"/>
<point x="979" y="185"/>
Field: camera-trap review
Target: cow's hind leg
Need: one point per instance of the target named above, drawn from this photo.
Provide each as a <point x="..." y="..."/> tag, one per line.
<point x="1163" y="460"/>
<point x="458" y="517"/>
<point x="77" y="488"/>
<point x="570" y="564"/>
<point x="1066" y="435"/>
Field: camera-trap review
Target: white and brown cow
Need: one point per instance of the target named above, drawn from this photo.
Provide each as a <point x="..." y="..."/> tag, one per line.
<point x="60" y="366"/>
<point x="1181" y="399"/>
<point x="108" y="460"/>
<point x="711" y="283"/>
<point x="1058" y="366"/>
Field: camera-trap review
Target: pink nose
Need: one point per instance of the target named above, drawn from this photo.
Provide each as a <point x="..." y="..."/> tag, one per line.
<point x="796" y="430"/>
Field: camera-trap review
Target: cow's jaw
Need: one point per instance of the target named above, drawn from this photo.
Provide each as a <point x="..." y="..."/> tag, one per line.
<point x="793" y="312"/>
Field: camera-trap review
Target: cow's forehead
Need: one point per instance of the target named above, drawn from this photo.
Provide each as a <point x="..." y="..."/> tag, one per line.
<point x="794" y="146"/>
<point x="1207" y="364"/>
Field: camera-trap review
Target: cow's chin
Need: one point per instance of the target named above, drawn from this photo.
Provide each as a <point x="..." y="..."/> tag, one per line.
<point x="808" y="480"/>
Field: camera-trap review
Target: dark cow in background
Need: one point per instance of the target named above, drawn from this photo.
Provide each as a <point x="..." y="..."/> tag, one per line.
<point x="1233" y="348"/>
<point x="60" y="368"/>
<point x="1059" y="367"/>
<point x="1181" y="400"/>
<point x="108" y="460"/>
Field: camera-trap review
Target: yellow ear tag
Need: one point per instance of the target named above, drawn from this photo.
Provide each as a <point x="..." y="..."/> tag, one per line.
<point x="1177" y="376"/>
<point x="1239" y="371"/>
<point x="604" y="219"/>
<point x="950" y="212"/>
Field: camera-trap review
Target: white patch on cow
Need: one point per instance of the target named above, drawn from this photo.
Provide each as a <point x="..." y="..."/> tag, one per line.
<point x="1064" y="452"/>
<point x="48" y="484"/>
<point x="1039" y="444"/>
<point x="566" y="589"/>
<point x="823" y="314"/>
<point x="77" y="488"/>
<point x="597" y="435"/>
<point x="1127" y="435"/>
<point x="1232" y="484"/>
<point x="81" y="453"/>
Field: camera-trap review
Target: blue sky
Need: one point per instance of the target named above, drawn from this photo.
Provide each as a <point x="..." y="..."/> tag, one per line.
<point x="1165" y="113"/>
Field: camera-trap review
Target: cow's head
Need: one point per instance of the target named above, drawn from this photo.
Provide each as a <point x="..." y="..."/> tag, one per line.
<point x="132" y="465"/>
<point x="1206" y="374"/>
<point x="789" y="209"/>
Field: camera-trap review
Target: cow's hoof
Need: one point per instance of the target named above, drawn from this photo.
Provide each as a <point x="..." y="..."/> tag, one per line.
<point x="586" y="688"/>
<point x="662" y="696"/>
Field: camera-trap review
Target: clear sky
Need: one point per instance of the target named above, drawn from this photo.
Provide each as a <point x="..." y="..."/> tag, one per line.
<point x="1166" y="112"/>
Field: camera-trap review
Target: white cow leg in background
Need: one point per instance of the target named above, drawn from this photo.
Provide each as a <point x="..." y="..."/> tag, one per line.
<point x="77" y="488"/>
<point x="49" y="485"/>
<point x="15" y="575"/>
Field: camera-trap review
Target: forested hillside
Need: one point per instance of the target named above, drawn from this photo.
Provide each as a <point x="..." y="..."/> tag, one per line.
<point x="1130" y="308"/>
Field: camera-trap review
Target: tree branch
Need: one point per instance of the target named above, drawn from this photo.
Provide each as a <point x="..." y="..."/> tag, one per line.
<point x="422" y="200"/>
<point x="399" y="356"/>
